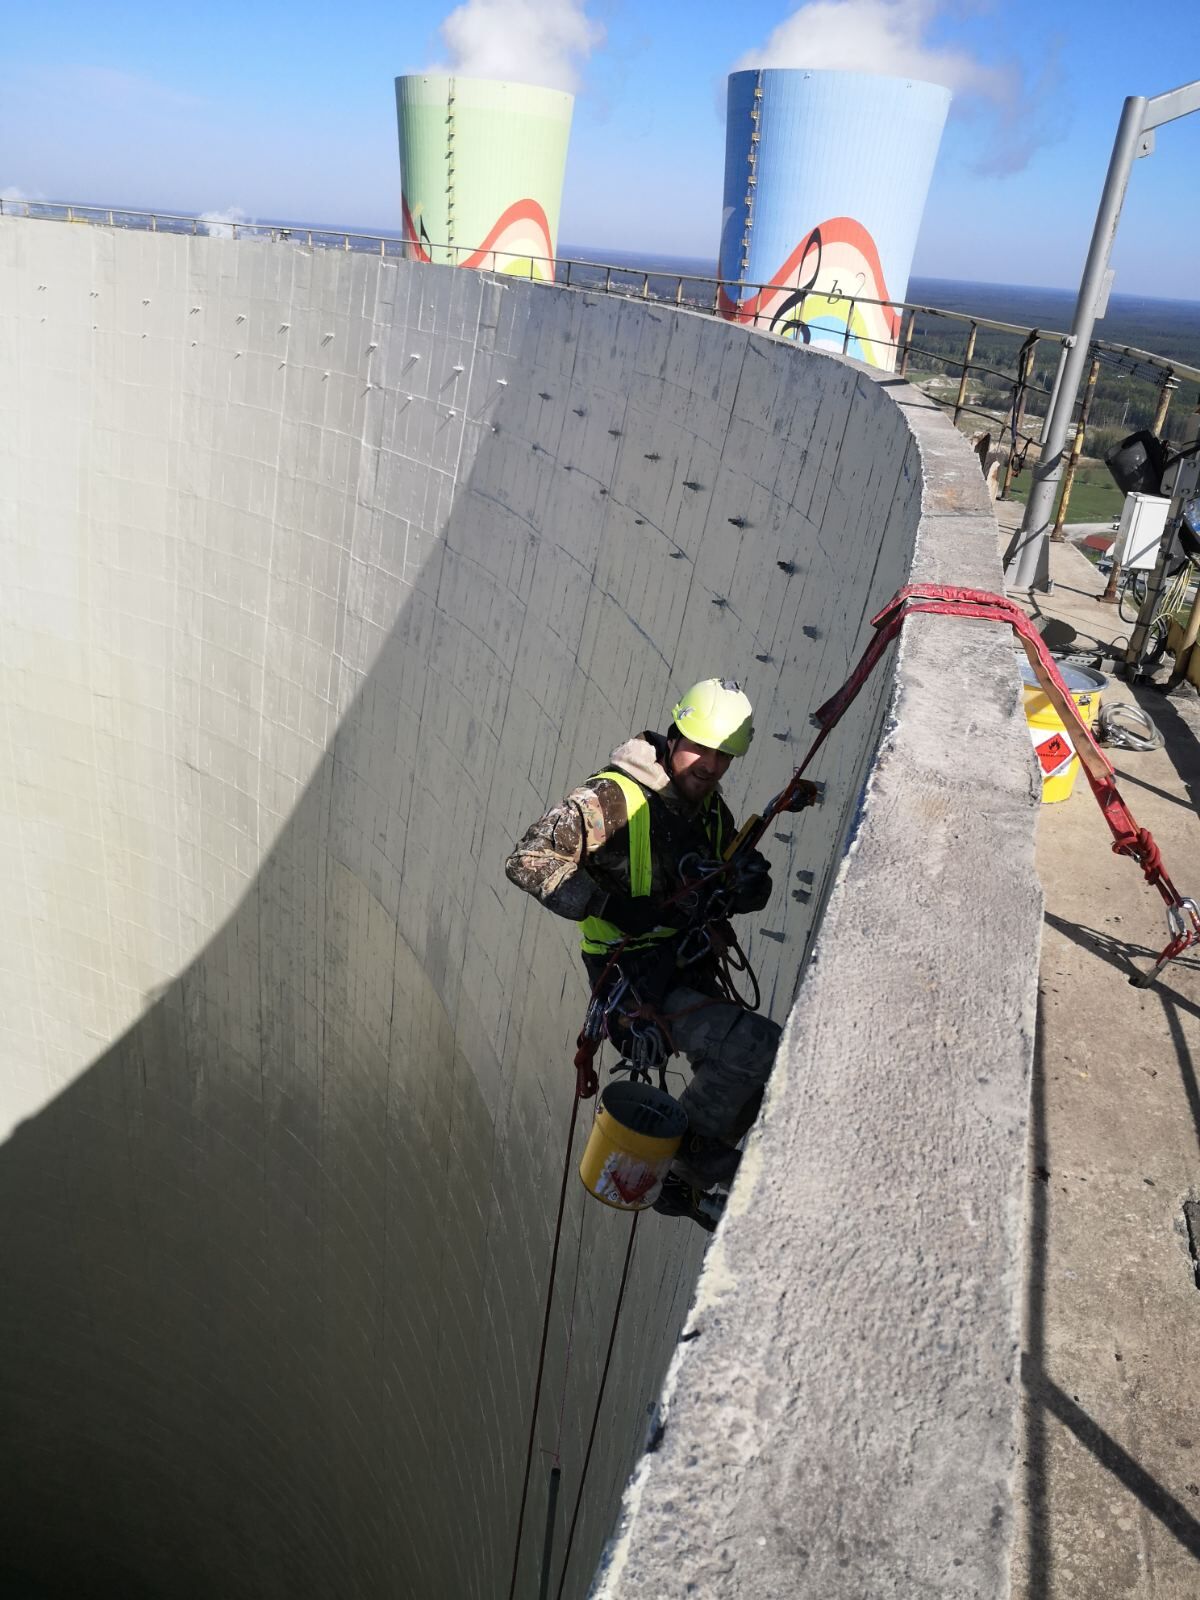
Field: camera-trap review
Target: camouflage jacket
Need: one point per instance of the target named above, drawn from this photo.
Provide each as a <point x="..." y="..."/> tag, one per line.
<point x="575" y="856"/>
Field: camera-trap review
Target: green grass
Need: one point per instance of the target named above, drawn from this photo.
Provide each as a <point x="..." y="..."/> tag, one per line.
<point x="1094" y="496"/>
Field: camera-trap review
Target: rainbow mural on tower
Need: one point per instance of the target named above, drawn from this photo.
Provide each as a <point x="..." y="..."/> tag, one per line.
<point x="481" y="171"/>
<point x="826" y="175"/>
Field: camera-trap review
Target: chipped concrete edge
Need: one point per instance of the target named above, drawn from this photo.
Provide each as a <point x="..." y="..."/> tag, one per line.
<point x="839" y="1416"/>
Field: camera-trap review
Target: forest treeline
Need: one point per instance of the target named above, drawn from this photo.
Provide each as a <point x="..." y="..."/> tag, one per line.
<point x="1127" y="392"/>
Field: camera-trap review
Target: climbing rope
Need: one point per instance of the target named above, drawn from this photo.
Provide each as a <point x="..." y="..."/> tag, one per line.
<point x="587" y="1458"/>
<point x="541" y="1364"/>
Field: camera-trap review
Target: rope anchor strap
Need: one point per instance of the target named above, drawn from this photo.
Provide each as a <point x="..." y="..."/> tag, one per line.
<point x="1183" y="913"/>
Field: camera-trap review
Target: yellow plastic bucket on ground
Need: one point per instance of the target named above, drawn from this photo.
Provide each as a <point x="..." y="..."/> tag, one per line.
<point x="1052" y="743"/>
<point x="633" y="1141"/>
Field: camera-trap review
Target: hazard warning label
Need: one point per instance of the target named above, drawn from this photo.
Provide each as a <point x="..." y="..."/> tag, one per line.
<point x="1054" y="752"/>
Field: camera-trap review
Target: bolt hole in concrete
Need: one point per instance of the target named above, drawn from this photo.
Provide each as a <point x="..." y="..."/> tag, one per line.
<point x="1191" y="1221"/>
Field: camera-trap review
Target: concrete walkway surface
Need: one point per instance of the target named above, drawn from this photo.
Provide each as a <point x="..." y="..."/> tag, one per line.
<point x="1108" y="1475"/>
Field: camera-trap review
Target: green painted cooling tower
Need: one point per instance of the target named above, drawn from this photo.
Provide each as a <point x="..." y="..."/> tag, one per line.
<point x="481" y="171"/>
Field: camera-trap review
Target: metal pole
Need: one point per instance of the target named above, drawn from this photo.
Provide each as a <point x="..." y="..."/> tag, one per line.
<point x="1168" y="388"/>
<point x="1010" y="466"/>
<point x="1027" y="555"/>
<point x="1076" y="451"/>
<point x="906" y="337"/>
<point x="1183" y="654"/>
<point x="1154" y="588"/>
<point x="846" y="335"/>
<point x="1186" y="478"/>
<point x="1109" y="597"/>
<point x="962" y="382"/>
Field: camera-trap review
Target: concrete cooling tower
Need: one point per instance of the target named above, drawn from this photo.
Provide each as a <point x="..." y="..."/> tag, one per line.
<point x="481" y="166"/>
<point x="826" y="175"/>
<point x="324" y="575"/>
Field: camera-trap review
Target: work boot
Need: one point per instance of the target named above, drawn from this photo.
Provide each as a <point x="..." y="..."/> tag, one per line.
<point x="680" y="1199"/>
<point x="704" y="1161"/>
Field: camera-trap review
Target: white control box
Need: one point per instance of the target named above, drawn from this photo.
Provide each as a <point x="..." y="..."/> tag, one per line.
<point x="1142" y="522"/>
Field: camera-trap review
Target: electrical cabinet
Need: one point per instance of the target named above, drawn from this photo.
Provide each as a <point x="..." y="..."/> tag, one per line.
<point x="1142" y="522"/>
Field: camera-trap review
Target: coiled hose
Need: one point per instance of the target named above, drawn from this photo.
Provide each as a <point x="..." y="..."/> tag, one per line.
<point x="1112" y="727"/>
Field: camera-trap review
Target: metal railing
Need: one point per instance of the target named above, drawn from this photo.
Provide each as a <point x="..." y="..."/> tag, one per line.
<point x="1019" y="421"/>
<point x="200" y="227"/>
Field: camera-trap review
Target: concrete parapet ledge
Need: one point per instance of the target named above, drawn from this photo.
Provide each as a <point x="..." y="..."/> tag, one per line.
<point x="839" y="1418"/>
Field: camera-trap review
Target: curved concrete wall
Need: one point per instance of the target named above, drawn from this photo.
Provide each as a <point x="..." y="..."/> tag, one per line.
<point x="326" y="574"/>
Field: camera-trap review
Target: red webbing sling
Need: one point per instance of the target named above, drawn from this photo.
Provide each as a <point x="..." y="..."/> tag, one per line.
<point x="1183" y="914"/>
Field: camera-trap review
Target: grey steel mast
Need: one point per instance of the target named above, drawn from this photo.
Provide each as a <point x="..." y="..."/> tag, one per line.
<point x="1026" y="561"/>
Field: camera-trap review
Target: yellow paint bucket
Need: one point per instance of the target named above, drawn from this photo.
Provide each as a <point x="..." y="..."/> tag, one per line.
<point x="1052" y="743"/>
<point x="633" y="1140"/>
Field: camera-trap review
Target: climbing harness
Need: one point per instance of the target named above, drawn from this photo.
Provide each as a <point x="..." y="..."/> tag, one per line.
<point x="616" y="1013"/>
<point x="1183" y="913"/>
<point x="705" y="898"/>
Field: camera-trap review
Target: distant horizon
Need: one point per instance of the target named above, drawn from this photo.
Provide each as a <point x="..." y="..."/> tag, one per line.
<point x="681" y="261"/>
<point x="259" y="114"/>
<point x="663" y="260"/>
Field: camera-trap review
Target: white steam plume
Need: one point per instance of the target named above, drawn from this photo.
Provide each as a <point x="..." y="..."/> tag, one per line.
<point x="219" y="224"/>
<point x="882" y="36"/>
<point x="523" y="41"/>
<point x="890" y="37"/>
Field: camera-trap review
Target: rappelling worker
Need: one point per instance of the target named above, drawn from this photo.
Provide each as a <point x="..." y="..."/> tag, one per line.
<point x="626" y="855"/>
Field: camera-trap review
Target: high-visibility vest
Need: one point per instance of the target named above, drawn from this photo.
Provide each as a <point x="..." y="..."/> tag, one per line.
<point x="598" y="935"/>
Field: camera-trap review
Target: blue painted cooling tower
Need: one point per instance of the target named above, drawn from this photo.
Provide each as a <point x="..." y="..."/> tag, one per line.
<point x="826" y="175"/>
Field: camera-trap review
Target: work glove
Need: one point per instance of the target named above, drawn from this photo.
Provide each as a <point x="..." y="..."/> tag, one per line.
<point x="632" y="916"/>
<point x="750" y="879"/>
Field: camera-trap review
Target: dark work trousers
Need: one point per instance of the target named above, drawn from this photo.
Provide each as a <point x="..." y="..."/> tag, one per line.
<point x="731" y="1052"/>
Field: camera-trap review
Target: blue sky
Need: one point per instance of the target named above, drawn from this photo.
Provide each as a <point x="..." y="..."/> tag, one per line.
<point x="287" y="111"/>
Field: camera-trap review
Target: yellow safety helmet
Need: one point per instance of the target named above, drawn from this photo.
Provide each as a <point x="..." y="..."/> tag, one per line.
<point x="716" y="714"/>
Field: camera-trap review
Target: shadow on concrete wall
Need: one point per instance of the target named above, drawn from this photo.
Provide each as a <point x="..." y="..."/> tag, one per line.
<point x="273" y="1263"/>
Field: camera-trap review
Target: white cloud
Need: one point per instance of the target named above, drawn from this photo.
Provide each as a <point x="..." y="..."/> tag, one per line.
<point x="881" y="36"/>
<point x="523" y="41"/>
